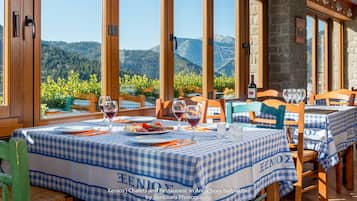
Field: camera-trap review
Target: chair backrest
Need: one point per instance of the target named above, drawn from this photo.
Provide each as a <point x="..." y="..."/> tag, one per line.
<point x="336" y="98"/>
<point x="15" y="152"/>
<point x="299" y="109"/>
<point x="269" y="94"/>
<point x="163" y="109"/>
<point x="257" y="107"/>
<point x="211" y="103"/>
<point x="137" y="99"/>
<point x="86" y="102"/>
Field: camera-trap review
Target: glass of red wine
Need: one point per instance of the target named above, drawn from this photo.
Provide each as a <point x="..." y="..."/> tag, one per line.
<point x="101" y="102"/>
<point x="193" y="116"/>
<point x="110" y="110"/>
<point x="178" y="109"/>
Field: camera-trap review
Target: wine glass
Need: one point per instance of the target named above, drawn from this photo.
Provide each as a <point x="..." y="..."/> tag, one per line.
<point x="101" y="102"/>
<point x="110" y="110"/>
<point x="303" y="94"/>
<point x="286" y="95"/>
<point x="178" y="109"/>
<point x="193" y="116"/>
<point x="294" y="96"/>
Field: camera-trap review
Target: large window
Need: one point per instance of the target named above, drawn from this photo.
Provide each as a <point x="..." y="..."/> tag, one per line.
<point x="70" y="57"/>
<point x="324" y="53"/>
<point x="224" y="47"/>
<point x="139" y="42"/>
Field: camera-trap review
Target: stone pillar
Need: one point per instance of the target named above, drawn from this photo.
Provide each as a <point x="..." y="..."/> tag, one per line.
<point x="350" y="51"/>
<point x="287" y="59"/>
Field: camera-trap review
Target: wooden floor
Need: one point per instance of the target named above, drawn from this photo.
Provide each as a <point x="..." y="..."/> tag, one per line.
<point x="333" y="196"/>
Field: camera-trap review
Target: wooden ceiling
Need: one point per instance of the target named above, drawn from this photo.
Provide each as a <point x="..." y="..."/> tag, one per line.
<point x="339" y="9"/>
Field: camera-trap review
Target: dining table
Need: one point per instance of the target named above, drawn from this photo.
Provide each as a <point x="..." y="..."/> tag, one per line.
<point x="329" y="130"/>
<point x="115" y="165"/>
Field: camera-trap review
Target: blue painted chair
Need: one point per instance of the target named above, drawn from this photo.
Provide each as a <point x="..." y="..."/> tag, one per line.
<point x="258" y="107"/>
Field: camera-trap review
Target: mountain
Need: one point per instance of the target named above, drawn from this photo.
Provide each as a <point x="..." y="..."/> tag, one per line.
<point x="191" y="49"/>
<point x="90" y="50"/>
<point x="147" y="62"/>
<point x="84" y="57"/>
<point x="57" y="62"/>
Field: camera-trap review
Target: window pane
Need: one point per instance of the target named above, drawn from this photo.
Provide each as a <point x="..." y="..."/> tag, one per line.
<point x="139" y="53"/>
<point x="224" y="47"/>
<point x="2" y="52"/>
<point x="309" y="35"/>
<point x="70" y="56"/>
<point x="335" y="55"/>
<point x="188" y="56"/>
<point x="321" y="56"/>
<point x="255" y="37"/>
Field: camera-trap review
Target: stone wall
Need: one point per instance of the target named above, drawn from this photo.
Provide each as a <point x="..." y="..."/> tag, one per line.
<point x="287" y="59"/>
<point x="350" y="45"/>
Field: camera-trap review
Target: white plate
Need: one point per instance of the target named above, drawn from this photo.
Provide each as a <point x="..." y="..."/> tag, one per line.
<point x="152" y="139"/>
<point x="149" y="133"/>
<point x="73" y="129"/>
<point x="138" y="119"/>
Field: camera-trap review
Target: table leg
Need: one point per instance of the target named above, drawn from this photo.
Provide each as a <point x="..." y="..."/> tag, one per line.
<point x="322" y="183"/>
<point x="349" y="167"/>
<point x="339" y="174"/>
<point x="273" y="192"/>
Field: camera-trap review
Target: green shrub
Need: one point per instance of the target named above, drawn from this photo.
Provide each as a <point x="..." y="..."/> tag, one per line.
<point x="55" y="92"/>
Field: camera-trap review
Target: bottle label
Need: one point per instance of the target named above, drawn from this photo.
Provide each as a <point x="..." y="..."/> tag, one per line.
<point x="252" y="93"/>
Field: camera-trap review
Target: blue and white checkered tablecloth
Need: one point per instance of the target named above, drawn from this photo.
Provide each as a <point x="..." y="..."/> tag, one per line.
<point x="112" y="167"/>
<point x="325" y="133"/>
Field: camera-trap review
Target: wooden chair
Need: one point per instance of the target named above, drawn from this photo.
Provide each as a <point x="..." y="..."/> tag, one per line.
<point x="206" y="103"/>
<point x="163" y="110"/>
<point x="335" y="98"/>
<point x="255" y="107"/>
<point x="15" y="152"/>
<point x="298" y="153"/>
<point x="268" y="93"/>
<point x="87" y="102"/>
<point x="137" y="99"/>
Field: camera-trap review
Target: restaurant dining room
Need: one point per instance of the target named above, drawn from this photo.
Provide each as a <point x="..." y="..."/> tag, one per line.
<point x="178" y="100"/>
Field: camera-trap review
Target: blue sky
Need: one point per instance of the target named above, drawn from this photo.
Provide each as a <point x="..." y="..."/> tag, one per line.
<point x="139" y="20"/>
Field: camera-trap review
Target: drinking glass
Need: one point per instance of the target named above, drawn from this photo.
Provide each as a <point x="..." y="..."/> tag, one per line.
<point x="286" y="95"/>
<point x="110" y="109"/>
<point x="178" y="109"/>
<point x="221" y="130"/>
<point x="294" y="96"/>
<point x="193" y="115"/>
<point x="101" y="102"/>
<point x="303" y="94"/>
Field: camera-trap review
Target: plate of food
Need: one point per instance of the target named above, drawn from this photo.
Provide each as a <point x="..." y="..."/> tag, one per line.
<point x="146" y="129"/>
<point x="73" y="129"/>
<point x="152" y="139"/>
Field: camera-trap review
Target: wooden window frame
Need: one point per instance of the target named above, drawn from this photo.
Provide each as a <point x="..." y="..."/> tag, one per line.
<point x="328" y="21"/>
<point x="109" y="67"/>
<point x="5" y="108"/>
<point x="110" y="64"/>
